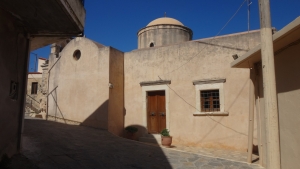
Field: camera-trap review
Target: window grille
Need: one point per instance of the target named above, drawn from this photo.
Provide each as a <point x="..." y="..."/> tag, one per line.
<point x="210" y="100"/>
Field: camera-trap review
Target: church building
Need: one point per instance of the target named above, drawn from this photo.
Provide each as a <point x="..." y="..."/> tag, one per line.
<point x="170" y="81"/>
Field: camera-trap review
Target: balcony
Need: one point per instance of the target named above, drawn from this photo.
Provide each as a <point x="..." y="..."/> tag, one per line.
<point x="47" y="21"/>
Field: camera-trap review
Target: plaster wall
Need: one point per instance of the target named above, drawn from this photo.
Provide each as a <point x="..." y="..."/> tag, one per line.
<point x="288" y="89"/>
<point x="161" y="35"/>
<point x="184" y="63"/>
<point x="41" y="61"/>
<point x="13" y="67"/>
<point x="79" y="88"/>
<point x="116" y="93"/>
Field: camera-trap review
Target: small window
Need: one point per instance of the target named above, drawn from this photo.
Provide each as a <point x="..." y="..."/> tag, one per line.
<point x="210" y="101"/>
<point x="210" y="97"/>
<point x="76" y="54"/>
<point x="151" y="44"/>
<point x="34" y="86"/>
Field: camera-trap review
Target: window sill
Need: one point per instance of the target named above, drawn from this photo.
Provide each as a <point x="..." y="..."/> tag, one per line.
<point x="211" y="114"/>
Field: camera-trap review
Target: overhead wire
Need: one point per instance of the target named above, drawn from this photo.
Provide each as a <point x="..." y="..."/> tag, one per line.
<point x="208" y="41"/>
<point x="208" y="115"/>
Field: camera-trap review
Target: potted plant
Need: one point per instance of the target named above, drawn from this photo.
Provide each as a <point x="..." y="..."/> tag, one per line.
<point x="166" y="139"/>
<point x="130" y="132"/>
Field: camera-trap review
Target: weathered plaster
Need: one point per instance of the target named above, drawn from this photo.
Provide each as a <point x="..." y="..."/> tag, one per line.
<point x="82" y="85"/>
<point x="202" y="59"/>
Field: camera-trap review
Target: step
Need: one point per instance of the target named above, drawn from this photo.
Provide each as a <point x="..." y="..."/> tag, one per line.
<point x="151" y="138"/>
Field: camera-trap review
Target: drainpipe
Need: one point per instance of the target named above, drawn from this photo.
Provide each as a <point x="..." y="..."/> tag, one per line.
<point x="251" y="115"/>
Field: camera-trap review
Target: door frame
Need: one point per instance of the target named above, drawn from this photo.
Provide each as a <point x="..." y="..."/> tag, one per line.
<point x="145" y="90"/>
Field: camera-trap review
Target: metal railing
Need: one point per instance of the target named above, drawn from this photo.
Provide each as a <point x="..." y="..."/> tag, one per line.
<point x="33" y="98"/>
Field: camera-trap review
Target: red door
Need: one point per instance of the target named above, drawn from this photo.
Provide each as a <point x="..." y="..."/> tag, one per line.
<point x="156" y="111"/>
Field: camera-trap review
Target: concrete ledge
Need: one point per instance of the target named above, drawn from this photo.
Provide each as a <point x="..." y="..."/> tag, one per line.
<point x="151" y="138"/>
<point x="159" y="82"/>
<point x="61" y="120"/>
<point x="208" y="81"/>
<point x="211" y="114"/>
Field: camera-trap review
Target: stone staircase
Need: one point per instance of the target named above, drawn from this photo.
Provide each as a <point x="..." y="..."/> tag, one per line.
<point x="151" y="138"/>
<point x="32" y="108"/>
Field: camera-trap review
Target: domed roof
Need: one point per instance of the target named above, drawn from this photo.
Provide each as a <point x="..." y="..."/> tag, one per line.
<point x="165" y="20"/>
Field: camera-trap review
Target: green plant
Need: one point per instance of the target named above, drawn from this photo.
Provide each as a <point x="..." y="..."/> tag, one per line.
<point x="131" y="129"/>
<point x="165" y="132"/>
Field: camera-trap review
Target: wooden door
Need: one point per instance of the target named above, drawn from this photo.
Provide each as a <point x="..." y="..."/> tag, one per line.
<point x="156" y="111"/>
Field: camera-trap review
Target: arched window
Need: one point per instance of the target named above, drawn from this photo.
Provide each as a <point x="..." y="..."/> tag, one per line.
<point x="151" y="44"/>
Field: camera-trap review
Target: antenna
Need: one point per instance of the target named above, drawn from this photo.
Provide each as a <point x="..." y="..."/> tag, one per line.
<point x="165" y="14"/>
<point x="248" y="4"/>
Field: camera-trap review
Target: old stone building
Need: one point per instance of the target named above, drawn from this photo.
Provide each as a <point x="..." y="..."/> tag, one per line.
<point x="37" y="82"/>
<point x="170" y="81"/>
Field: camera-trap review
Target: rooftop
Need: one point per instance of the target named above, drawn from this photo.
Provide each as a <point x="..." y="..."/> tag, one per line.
<point x="166" y="21"/>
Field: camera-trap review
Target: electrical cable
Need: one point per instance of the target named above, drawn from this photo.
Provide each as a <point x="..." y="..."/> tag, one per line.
<point x="208" y="115"/>
<point x="208" y="41"/>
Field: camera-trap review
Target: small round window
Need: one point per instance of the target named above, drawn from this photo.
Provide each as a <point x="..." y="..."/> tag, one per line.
<point x="151" y="44"/>
<point x="76" y="54"/>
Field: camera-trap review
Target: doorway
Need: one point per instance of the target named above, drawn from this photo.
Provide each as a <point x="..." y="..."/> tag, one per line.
<point x="156" y="111"/>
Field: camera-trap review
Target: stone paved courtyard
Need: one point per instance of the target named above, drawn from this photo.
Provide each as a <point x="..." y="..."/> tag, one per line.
<point x="51" y="145"/>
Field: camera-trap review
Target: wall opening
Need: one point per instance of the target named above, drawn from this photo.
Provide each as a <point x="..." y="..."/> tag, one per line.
<point x="77" y="54"/>
<point x="151" y="44"/>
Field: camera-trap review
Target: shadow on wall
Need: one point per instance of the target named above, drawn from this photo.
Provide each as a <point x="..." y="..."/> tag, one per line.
<point x="61" y="145"/>
<point x="140" y="132"/>
<point x="99" y="118"/>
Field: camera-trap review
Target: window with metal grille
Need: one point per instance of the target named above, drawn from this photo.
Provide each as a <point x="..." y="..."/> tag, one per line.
<point x="210" y="100"/>
<point x="34" y="86"/>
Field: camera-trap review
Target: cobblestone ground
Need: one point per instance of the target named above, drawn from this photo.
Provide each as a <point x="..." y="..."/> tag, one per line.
<point x="223" y="154"/>
<point x="51" y="145"/>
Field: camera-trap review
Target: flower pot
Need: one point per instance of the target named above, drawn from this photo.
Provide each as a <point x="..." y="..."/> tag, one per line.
<point x="166" y="140"/>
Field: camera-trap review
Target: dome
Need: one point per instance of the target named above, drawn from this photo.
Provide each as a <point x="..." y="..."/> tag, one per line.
<point x="165" y="20"/>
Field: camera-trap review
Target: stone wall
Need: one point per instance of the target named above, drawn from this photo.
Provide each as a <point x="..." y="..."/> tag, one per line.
<point x="33" y="100"/>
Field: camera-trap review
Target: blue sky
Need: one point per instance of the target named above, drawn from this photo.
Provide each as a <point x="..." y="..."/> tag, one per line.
<point x="116" y="22"/>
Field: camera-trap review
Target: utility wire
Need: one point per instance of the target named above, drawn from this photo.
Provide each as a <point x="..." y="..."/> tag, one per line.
<point x="208" y="115"/>
<point x="210" y="39"/>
